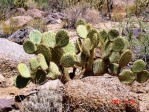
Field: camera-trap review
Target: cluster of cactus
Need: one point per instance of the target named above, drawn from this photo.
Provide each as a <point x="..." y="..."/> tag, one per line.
<point x="55" y="54"/>
<point x="113" y="56"/>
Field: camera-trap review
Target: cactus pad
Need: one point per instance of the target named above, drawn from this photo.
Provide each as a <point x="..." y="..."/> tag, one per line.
<point x="45" y="51"/>
<point x="70" y="47"/>
<point x="103" y="35"/>
<point x="127" y="77"/>
<point x="82" y="31"/>
<point x="93" y="35"/>
<point x="81" y="22"/>
<point x="125" y="58"/>
<point x="114" y="57"/>
<point x="57" y="53"/>
<point x="138" y="66"/>
<point x="29" y="47"/>
<point x="118" y="44"/>
<point x="21" y="82"/>
<point x="106" y="50"/>
<point x="114" y="68"/>
<point x="142" y="76"/>
<point x="42" y="61"/>
<point x="113" y="33"/>
<point x="34" y="64"/>
<point x="48" y="39"/>
<point x="54" y="72"/>
<point x="81" y="59"/>
<point x="23" y="70"/>
<point x="35" y="36"/>
<point x="126" y="45"/>
<point x="40" y="77"/>
<point x="62" y="38"/>
<point x="99" y="67"/>
<point x="68" y="60"/>
<point x="86" y="46"/>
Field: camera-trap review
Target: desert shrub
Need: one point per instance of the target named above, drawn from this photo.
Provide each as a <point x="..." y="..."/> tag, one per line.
<point x="138" y="7"/>
<point x="9" y="28"/>
<point x="81" y="11"/>
<point x="38" y="24"/>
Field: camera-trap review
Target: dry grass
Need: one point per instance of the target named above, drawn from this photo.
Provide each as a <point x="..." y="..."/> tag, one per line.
<point x="81" y="11"/>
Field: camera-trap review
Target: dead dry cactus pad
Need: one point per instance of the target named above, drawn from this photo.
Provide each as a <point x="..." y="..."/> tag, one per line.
<point x="56" y="54"/>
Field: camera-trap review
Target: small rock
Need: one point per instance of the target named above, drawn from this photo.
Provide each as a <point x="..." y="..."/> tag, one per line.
<point x="48" y="99"/>
<point x="20" y="35"/>
<point x="52" y="84"/>
<point x="35" y="13"/>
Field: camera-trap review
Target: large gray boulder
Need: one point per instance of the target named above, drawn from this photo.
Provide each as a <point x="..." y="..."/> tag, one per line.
<point x="11" y="54"/>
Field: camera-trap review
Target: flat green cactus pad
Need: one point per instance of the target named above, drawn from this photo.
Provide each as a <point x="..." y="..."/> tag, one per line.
<point x="138" y="66"/>
<point x="54" y="72"/>
<point x="81" y="22"/>
<point x="99" y="67"/>
<point x="48" y="39"/>
<point x="103" y="35"/>
<point x="114" y="57"/>
<point x="143" y="76"/>
<point x="57" y="53"/>
<point x="42" y="61"/>
<point x="114" y="68"/>
<point x="70" y="47"/>
<point x="29" y="47"/>
<point x="82" y="31"/>
<point x="127" y="45"/>
<point x="106" y="50"/>
<point x="35" y="36"/>
<point x="43" y="49"/>
<point x="23" y="70"/>
<point x="40" y="77"/>
<point x="68" y="60"/>
<point x="86" y="46"/>
<point x="62" y="38"/>
<point x="94" y="37"/>
<point x="34" y="64"/>
<point x="125" y="58"/>
<point x="21" y="82"/>
<point x="113" y="33"/>
<point x="118" y="44"/>
<point x="127" y="77"/>
<point x="81" y="59"/>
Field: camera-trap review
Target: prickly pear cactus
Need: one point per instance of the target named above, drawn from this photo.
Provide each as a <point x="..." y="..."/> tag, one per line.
<point x="94" y="53"/>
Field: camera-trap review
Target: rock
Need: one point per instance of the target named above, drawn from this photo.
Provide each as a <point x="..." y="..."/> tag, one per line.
<point x="21" y="10"/>
<point x="35" y="13"/>
<point x="54" y="18"/>
<point x="11" y="54"/>
<point x="20" y="35"/>
<point x="6" y="105"/>
<point x="19" y="21"/>
<point x="52" y="84"/>
<point x="99" y="94"/>
<point x="48" y="99"/>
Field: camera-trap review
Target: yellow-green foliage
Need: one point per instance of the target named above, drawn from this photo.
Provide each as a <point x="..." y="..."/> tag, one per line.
<point x="11" y="27"/>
